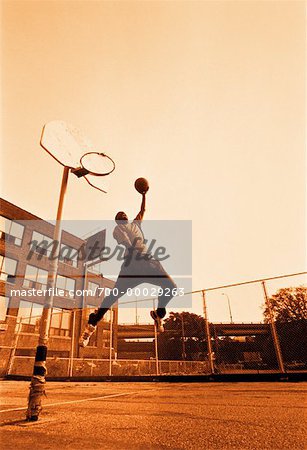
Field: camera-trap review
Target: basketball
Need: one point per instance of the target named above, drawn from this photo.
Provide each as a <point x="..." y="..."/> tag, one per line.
<point x="141" y="185"/>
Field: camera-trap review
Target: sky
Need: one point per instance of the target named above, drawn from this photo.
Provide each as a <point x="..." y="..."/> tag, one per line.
<point x="206" y="99"/>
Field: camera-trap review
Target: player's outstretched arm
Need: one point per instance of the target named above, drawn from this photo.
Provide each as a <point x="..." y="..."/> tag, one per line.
<point x="140" y="215"/>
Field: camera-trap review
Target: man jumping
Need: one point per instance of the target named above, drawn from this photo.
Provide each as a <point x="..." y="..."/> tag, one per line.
<point x="138" y="267"/>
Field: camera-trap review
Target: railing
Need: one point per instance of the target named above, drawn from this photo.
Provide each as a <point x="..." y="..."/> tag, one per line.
<point x="90" y="367"/>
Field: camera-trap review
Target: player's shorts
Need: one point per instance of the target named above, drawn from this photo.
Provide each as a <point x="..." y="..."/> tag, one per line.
<point x="142" y="266"/>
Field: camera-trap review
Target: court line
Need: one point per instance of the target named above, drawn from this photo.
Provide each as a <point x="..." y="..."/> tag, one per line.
<point x="69" y="402"/>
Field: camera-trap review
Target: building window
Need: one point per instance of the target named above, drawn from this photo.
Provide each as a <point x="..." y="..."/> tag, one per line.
<point x="68" y="255"/>
<point x="4" y="304"/>
<point x="60" y="322"/>
<point x="92" y="289"/>
<point x="35" y="278"/>
<point x="29" y="313"/>
<point x="8" y="269"/>
<point x="11" y="231"/>
<point x="67" y="285"/>
<point x="44" y="244"/>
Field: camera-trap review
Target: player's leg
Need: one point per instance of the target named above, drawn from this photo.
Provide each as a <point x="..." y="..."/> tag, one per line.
<point x="167" y="286"/>
<point x="119" y="289"/>
<point x="159" y="277"/>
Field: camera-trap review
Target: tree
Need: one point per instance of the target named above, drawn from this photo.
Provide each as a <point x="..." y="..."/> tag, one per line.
<point x="289" y="308"/>
<point x="288" y="305"/>
<point x="184" y="337"/>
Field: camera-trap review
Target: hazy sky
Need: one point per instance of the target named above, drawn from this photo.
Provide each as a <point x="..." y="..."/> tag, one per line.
<point x="205" y="99"/>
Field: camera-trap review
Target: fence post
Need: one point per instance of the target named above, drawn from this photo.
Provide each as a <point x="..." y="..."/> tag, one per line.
<point x="156" y="351"/>
<point x="208" y="337"/>
<point x="111" y="343"/>
<point x="71" y="363"/>
<point x="273" y="330"/>
<point x="156" y="345"/>
<point x="183" y="344"/>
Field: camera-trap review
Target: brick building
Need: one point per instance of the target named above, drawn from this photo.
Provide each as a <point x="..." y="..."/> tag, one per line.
<point x="24" y="268"/>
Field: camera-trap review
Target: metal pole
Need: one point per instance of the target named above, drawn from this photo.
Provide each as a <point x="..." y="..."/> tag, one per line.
<point x="183" y="343"/>
<point x="273" y="330"/>
<point x="228" y="301"/>
<point x="156" y="345"/>
<point x="72" y="348"/>
<point x="216" y="339"/>
<point x="38" y="381"/>
<point x="207" y="330"/>
<point x="111" y="342"/>
<point x="84" y="303"/>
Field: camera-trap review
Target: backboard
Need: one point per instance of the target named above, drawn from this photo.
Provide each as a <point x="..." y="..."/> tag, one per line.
<point x="65" y="143"/>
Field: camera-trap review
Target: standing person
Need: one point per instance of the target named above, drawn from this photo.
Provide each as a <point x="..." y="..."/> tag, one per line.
<point x="138" y="267"/>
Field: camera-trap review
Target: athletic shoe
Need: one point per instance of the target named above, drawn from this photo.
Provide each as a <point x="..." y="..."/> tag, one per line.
<point x="158" y="321"/>
<point x="87" y="333"/>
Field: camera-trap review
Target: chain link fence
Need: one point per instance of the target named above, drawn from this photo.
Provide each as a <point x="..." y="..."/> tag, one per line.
<point x="277" y="342"/>
<point x="194" y="342"/>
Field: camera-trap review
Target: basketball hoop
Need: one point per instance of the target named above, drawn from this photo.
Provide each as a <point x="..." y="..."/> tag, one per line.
<point x="94" y="163"/>
<point x="71" y="148"/>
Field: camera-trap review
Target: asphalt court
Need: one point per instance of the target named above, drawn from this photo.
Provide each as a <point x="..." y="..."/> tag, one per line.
<point x="152" y="415"/>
